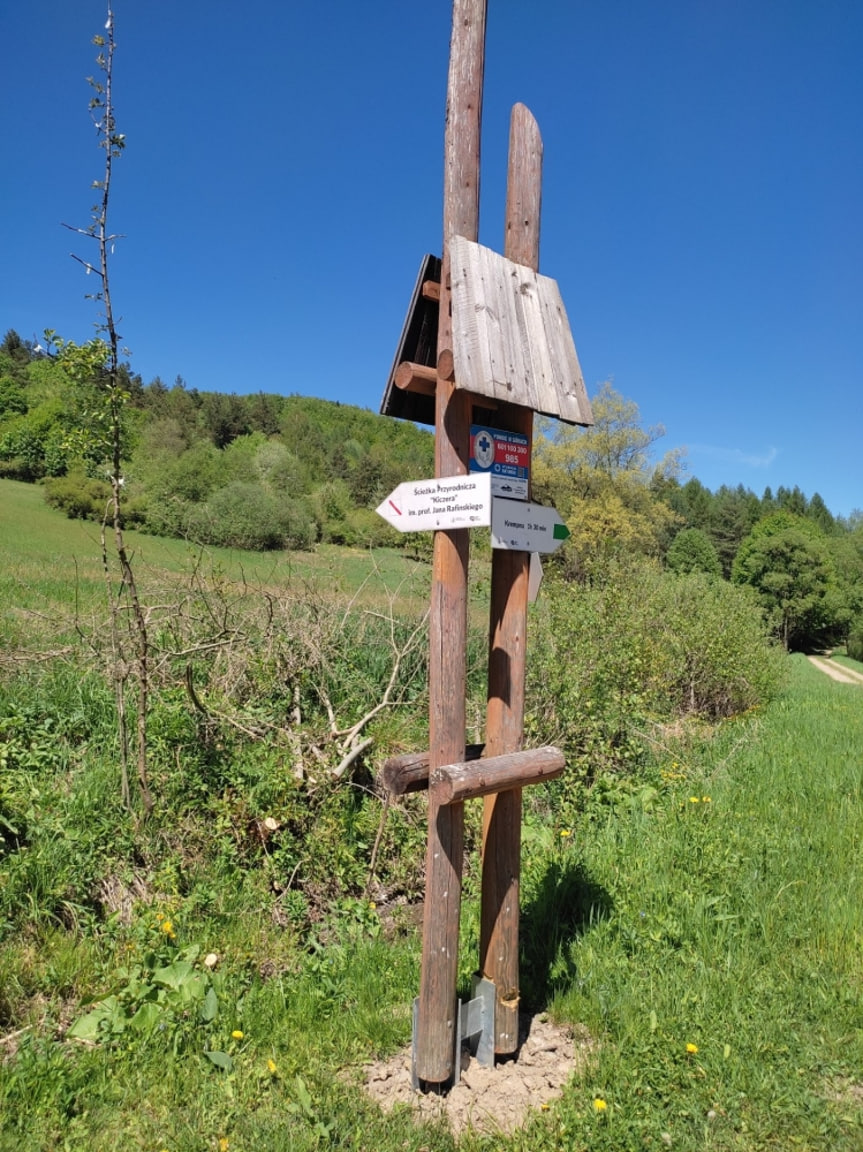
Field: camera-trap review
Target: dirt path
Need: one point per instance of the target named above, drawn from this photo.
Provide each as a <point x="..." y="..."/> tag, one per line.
<point x="836" y="671"/>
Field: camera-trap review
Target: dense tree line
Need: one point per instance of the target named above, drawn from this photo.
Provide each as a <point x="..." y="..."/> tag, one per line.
<point x="266" y="471"/>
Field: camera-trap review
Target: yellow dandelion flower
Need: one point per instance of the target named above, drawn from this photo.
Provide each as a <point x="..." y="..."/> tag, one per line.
<point x="599" y="1105"/>
<point x="691" y="1049"/>
<point x="224" y="1144"/>
<point x="565" y="832"/>
<point x="236" y="1034"/>
<point x="693" y="799"/>
<point x="271" y="1064"/>
<point x="705" y="799"/>
<point x="168" y="928"/>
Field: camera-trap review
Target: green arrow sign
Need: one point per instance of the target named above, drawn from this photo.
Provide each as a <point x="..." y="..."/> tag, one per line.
<point x="525" y="527"/>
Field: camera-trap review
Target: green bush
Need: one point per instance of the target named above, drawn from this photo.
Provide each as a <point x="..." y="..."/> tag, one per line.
<point x="192" y="476"/>
<point x="365" y="529"/>
<point x="79" y="496"/>
<point x="712" y="654"/>
<point x="13" y="401"/>
<point x="332" y="504"/>
<point x="242" y="515"/>
<point x="611" y="659"/>
<point x="32" y="445"/>
<point x="279" y="470"/>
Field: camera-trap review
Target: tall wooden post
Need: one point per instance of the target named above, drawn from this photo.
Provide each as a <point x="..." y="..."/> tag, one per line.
<point x="501" y="854"/>
<point x="436" y="1024"/>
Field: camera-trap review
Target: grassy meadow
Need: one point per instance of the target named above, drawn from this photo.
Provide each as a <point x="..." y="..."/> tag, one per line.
<point x="43" y="552"/>
<point x="701" y="921"/>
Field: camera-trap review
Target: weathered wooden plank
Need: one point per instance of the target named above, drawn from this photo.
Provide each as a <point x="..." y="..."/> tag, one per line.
<point x="436" y="1015"/>
<point x="493" y="298"/>
<point x="524" y="189"/>
<point x="410" y="772"/>
<point x="569" y="380"/>
<point x="522" y="225"/>
<point x="502" y="812"/>
<point x="502" y="339"/>
<point x="469" y="779"/>
<point x="472" y="350"/>
<point x="531" y="321"/>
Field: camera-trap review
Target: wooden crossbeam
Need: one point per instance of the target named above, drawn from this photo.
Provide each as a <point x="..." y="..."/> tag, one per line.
<point x="468" y="779"/>
<point x="410" y="772"/>
<point x="422" y="380"/>
<point x="412" y="377"/>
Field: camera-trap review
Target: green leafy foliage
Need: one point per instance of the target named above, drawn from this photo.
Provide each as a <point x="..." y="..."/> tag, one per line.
<point x="167" y="993"/>
<point x="13" y="401"/>
<point x="78" y="496"/>
<point x="34" y="444"/>
<point x="612" y="659"/>
<point x="787" y="561"/>
<point x="855" y="641"/>
<point x="692" y="551"/>
<point x="600" y="479"/>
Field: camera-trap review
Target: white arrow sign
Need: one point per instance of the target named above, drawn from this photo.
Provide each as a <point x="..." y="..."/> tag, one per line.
<point x="526" y="527"/>
<point x="445" y="502"/>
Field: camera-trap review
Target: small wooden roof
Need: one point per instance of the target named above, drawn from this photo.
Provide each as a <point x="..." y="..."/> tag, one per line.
<point x="511" y="336"/>
<point x="418" y="343"/>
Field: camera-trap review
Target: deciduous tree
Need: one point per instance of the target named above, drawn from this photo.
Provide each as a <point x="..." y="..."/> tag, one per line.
<point x="787" y="561"/>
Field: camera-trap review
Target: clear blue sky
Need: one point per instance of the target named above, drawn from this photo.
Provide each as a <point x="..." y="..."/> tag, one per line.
<point x="701" y="211"/>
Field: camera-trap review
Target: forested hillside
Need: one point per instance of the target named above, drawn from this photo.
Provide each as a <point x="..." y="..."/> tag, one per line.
<point x="260" y="471"/>
<point x="265" y="471"/>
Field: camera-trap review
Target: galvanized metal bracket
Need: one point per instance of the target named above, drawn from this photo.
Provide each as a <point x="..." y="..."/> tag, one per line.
<point x="474" y="1026"/>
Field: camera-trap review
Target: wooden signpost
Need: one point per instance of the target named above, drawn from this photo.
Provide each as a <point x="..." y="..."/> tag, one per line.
<point x="504" y="350"/>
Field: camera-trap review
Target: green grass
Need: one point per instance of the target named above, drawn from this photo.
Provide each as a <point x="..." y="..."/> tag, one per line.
<point x="50" y="569"/>
<point x="31" y="531"/>
<point x="734" y="924"/>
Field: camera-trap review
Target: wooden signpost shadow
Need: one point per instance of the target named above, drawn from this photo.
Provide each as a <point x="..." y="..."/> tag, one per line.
<point x="503" y="350"/>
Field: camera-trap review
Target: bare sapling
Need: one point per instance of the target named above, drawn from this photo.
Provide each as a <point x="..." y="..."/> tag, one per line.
<point x="101" y="396"/>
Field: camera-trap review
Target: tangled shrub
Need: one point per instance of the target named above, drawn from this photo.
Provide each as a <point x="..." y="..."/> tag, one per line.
<point x="81" y="497"/>
<point x="712" y="651"/>
<point x="643" y="644"/>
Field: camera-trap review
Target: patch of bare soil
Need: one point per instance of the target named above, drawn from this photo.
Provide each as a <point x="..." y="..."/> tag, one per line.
<point x="845" y="1092"/>
<point x="490" y="1099"/>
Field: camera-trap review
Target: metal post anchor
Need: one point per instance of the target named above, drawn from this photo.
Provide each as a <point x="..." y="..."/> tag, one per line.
<point x="474" y="1025"/>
